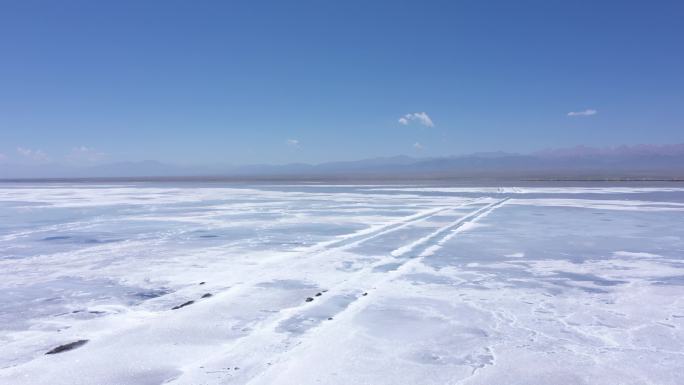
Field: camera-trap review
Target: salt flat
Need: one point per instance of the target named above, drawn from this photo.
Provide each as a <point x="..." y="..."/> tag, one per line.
<point x="356" y="284"/>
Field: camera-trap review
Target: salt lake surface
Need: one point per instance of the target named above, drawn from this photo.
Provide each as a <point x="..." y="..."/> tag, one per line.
<point x="128" y="284"/>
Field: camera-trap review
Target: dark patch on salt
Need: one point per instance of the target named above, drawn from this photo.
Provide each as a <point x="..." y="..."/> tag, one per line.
<point x="207" y="295"/>
<point x="67" y="347"/>
<point x="56" y="238"/>
<point x="182" y="305"/>
<point x="309" y="299"/>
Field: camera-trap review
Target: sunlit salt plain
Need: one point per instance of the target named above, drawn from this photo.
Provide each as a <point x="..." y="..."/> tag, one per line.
<point x="292" y="284"/>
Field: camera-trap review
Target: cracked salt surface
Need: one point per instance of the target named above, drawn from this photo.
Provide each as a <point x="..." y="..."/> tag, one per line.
<point x="341" y="284"/>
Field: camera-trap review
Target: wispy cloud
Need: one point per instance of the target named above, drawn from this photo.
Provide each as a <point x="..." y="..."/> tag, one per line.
<point x="418" y="146"/>
<point x="292" y="142"/>
<point x="421" y="118"/>
<point x="33" y="155"/>
<point x="587" y="112"/>
<point x="3" y="157"/>
<point x="83" y="154"/>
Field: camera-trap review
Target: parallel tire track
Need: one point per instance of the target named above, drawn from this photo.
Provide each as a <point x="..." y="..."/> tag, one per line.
<point x="267" y="333"/>
<point x="428" y="245"/>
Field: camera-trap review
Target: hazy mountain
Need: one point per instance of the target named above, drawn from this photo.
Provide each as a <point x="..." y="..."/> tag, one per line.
<point x="641" y="161"/>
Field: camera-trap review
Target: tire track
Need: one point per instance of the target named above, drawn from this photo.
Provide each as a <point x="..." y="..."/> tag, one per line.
<point x="268" y="338"/>
<point x="356" y="239"/>
<point x="326" y="248"/>
<point x="428" y="245"/>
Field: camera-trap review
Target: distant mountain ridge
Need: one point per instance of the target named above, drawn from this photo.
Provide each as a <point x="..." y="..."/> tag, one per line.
<point x="640" y="161"/>
<point x="640" y="149"/>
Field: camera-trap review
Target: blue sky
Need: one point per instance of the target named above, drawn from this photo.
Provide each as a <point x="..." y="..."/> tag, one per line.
<point x="311" y="81"/>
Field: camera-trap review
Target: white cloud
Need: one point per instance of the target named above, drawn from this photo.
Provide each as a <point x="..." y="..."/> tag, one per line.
<point x="292" y="142"/>
<point x="33" y="155"/>
<point x="418" y="117"/>
<point x="418" y="146"/>
<point x="587" y="112"/>
<point x="83" y="154"/>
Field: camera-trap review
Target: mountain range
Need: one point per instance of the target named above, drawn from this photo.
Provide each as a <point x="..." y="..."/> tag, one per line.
<point x="581" y="162"/>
